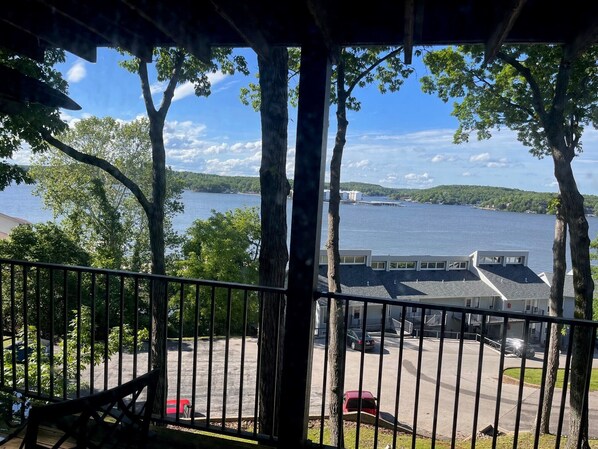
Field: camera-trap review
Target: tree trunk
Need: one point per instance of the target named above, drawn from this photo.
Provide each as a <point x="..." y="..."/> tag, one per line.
<point x="555" y="308"/>
<point x="573" y="209"/>
<point x="337" y="336"/>
<point x="157" y="245"/>
<point x="274" y="255"/>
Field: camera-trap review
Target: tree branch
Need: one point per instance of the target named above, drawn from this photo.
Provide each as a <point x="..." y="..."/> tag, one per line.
<point x="508" y="102"/>
<point x="145" y="88"/>
<point x="101" y="164"/>
<point x="172" y="83"/>
<point x="363" y="74"/>
<point x="537" y="100"/>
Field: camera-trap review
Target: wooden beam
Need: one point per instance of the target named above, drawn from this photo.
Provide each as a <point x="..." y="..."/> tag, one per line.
<point x="319" y="10"/>
<point x="502" y="29"/>
<point x="409" y="26"/>
<point x="21" y="43"/>
<point x="59" y="32"/>
<point x="96" y="21"/>
<point x="245" y="22"/>
<point x="176" y="23"/>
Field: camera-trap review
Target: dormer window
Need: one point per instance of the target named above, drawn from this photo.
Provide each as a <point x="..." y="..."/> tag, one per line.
<point x="488" y="260"/>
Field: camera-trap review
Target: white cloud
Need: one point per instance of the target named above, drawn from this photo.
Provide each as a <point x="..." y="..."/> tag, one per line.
<point x="359" y="164"/>
<point x="77" y="72"/>
<point x="443" y="158"/>
<point x="483" y="157"/>
<point x="186" y="89"/>
<point x="414" y="178"/>
<point x="157" y="88"/>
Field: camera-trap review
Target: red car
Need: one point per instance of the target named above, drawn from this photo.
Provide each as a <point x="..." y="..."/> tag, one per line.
<point x="369" y="403"/>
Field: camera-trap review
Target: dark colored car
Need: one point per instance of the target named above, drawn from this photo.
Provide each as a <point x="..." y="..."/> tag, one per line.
<point x="518" y="347"/>
<point x="356" y="340"/>
<point x="369" y="404"/>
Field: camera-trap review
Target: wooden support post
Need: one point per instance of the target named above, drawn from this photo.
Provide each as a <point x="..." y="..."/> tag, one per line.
<point x="312" y="131"/>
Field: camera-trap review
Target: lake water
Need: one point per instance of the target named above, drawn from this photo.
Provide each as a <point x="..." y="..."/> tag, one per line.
<point x="413" y="229"/>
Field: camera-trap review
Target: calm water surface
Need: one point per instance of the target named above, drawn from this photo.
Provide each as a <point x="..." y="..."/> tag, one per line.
<point x="411" y="229"/>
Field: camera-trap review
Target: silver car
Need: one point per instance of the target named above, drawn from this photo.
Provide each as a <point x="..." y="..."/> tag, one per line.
<point x="518" y="347"/>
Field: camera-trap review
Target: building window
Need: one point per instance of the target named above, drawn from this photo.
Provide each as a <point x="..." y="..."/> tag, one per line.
<point x="433" y="265"/>
<point x="457" y="265"/>
<point x="403" y="265"/>
<point x="485" y="260"/>
<point x="352" y="260"/>
<point x="468" y="302"/>
<point x="378" y="265"/>
<point x="512" y="260"/>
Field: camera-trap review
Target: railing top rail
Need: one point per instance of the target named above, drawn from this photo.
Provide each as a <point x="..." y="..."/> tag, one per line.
<point x="104" y="271"/>
<point x="458" y="309"/>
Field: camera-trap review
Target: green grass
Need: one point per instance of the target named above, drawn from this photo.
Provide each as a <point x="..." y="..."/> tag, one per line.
<point x="533" y="376"/>
<point x="366" y="440"/>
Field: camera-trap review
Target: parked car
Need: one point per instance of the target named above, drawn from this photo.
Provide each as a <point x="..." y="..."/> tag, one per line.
<point x="356" y="340"/>
<point x="518" y="347"/>
<point x="369" y="404"/>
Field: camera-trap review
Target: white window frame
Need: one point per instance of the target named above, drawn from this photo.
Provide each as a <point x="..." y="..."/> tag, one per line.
<point x="457" y="265"/>
<point x="433" y="265"/>
<point x="402" y="265"/>
<point x="378" y="265"/>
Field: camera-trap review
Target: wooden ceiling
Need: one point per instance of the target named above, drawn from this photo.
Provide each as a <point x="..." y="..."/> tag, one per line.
<point x="28" y="27"/>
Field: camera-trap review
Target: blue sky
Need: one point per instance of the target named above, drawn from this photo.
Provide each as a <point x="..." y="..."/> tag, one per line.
<point x="402" y="139"/>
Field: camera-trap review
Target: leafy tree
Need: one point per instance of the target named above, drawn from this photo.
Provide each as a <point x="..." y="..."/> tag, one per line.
<point x="355" y="68"/>
<point x="48" y="376"/>
<point x="104" y="216"/>
<point x="547" y="94"/>
<point x="38" y="243"/>
<point x="225" y="247"/>
<point x="19" y="126"/>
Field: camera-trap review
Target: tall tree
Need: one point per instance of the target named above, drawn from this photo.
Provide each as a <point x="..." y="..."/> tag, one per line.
<point x="20" y="124"/>
<point x="274" y="254"/>
<point x="103" y="215"/>
<point x="547" y="94"/>
<point x="173" y="67"/>
<point x="356" y="67"/>
<point x="555" y="308"/>
<point x="271" y="98"/>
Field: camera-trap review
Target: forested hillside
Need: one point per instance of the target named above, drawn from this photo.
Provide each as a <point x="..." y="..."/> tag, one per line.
<point x="498" y="198"/>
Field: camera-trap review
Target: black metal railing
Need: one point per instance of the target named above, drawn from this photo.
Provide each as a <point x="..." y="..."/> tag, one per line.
<point x="446" y="378"/>
<point x="68" y="331"/>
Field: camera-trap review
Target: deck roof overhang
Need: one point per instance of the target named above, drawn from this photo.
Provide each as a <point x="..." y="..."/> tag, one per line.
<point x="28" y="27"/>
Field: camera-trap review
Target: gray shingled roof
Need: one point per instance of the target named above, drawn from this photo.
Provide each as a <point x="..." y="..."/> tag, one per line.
<point x="403" y="284"/>
<point x="516" y="281"/>
<point x="568" y="290"/>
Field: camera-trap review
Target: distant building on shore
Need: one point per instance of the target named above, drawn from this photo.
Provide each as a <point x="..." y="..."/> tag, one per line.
<point x="489" y="280"/>
<point x="346" y="195"/>
<point x="8" y="223"/>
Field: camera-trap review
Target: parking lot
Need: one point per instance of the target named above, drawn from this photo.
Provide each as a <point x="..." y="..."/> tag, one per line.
<point x="240" y="384"/>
